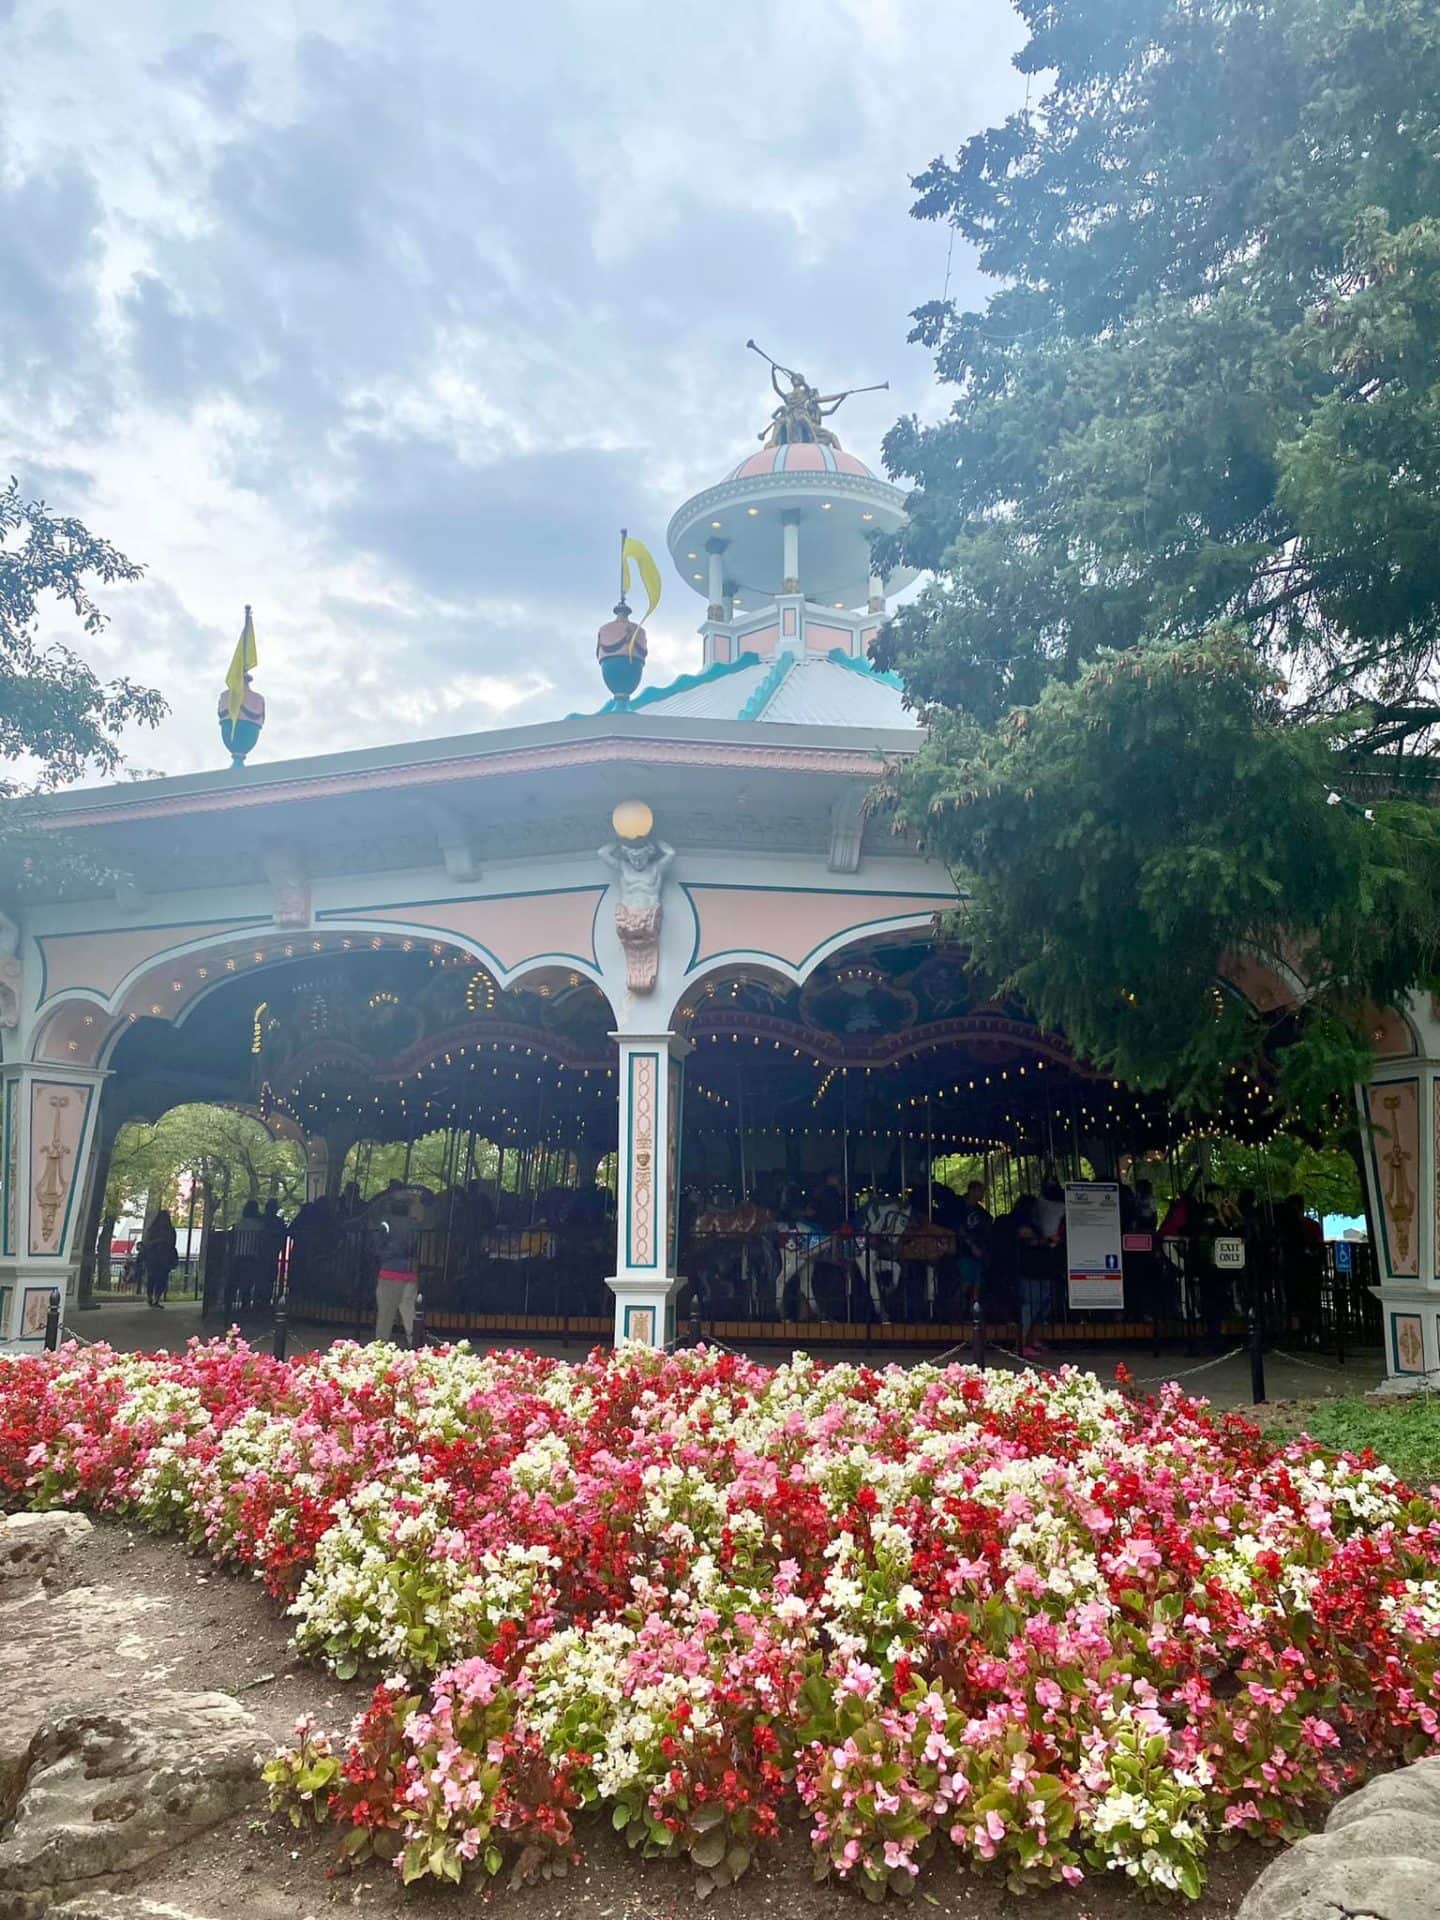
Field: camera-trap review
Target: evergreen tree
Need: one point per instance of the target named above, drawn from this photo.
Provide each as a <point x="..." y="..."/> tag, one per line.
<point x="1184" y="525"/>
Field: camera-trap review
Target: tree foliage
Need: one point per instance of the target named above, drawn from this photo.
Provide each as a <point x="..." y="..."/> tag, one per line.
<point x="58" y="720"/>
<point x="1184" y="524"/>
<point x="54" y="712"/>
<point x="232" y="1155"/>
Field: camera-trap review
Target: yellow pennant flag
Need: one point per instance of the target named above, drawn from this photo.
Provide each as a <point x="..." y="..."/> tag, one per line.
<point x="242" y="663"/>
<point x="645" y="564"/>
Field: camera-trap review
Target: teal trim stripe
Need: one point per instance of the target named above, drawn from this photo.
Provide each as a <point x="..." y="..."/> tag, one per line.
<point x="720" y="670"/>
<point x="754" y="707"/>
<point x="7" y="1136"/>
<point x="848" y="660"/>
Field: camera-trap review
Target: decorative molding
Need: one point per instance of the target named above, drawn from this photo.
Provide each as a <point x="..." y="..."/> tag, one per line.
<point x="847" y="830"/>
<point x="793" y="925"/>
<point x="861" y="762"/>
<point x="110" y="954"/>
<point x="456" y="842"/>
<point x="289" y="879"/>
<point x="511" y="930"/>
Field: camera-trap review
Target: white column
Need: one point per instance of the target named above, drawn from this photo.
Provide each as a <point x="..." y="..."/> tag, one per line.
<point x="791" y="570"/>
<point x="48" y="1117"/>
<point x="877" y="594"/>
<point x="651" y="1082"/>
<point x="715" y="549"/>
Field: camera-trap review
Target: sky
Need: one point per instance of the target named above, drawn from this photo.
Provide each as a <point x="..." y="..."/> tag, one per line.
<point x="385" y="318"/>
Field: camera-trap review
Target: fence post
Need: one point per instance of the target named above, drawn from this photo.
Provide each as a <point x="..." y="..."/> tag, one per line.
<point x="1341" y="1297"/>
<point x="282" y="1324"/>
<point x="1257" y="1358"/>
<point x="417" y="1331"/>
<point x="977" y="1332"/>
<point x="52" y="1322"/>
<point x="695" y="1332"/>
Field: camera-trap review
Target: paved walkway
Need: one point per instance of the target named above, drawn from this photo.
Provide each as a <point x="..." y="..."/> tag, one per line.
<point x="134" y="1327"/>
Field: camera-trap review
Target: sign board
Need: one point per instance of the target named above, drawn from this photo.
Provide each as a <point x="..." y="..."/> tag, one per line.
<point x="1092" y="1244"/>
<point x="1344" y="1257"/>
<point x="1138" y="1242"/>
<point x="1229" y="1253"/>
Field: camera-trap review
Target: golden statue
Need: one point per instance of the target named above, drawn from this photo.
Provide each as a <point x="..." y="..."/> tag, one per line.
<point x="803" y="410"/>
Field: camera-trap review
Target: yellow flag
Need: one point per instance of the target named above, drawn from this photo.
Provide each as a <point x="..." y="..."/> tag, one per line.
<point x="649" y="572"/>
<point x="242" y="663"/>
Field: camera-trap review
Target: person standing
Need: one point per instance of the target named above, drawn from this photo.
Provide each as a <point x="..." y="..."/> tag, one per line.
<point x="1032" y="1273"/>
<point x="247" y="1259"/>
<point x="159" y="1253"/>
<point x="277" y="1233"/>
<point x="973" y="1236"/>
<point x="397" y="1226"/>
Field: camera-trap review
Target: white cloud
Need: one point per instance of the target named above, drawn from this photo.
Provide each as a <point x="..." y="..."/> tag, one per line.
<point x="383" y="317"/>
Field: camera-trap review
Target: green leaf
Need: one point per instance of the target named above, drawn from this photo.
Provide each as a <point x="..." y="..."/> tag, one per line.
<point x="709" y="1849"/>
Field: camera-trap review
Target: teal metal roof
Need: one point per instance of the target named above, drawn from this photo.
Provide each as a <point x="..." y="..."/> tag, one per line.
<point x="798" y="689"/>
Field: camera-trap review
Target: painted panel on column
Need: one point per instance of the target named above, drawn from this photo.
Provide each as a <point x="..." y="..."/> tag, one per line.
<point x="675" y="1121"/>
<point x="11" y="1182"/>
<point x="58" y="1112"/>
<point x="640" y="1325"/>
<point x="34" y="1312"/>
<point x="1407" y="1343"/>
<point x="640" y="1247"/>
<point x="1392" y="1109"/>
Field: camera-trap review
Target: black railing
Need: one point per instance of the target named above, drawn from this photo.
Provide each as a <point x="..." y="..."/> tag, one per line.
<point x="774" y="1281"/>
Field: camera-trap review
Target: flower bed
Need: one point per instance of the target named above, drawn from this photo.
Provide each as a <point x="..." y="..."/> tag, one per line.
<point x="1022" y="1617"/>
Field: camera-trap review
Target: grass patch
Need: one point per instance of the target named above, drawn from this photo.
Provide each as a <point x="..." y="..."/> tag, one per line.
<point x="1404" y="1434"/>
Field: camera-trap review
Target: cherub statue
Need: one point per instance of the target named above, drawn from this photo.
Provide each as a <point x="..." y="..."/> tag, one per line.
<point x="639" y="867"/>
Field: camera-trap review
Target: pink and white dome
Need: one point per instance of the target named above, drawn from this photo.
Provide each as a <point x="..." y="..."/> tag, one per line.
<point x="800" y="456"/>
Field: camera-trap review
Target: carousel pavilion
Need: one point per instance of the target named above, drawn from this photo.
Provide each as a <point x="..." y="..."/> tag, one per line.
<point x="663" y="961"/>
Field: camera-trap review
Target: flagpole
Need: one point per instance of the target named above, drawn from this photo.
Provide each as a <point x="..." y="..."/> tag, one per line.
<point x="623" y="537"/>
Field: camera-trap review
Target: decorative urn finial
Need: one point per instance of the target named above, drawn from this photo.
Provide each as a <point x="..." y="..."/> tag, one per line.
<point x="241" y="709"/>
<point x="621" y="645"/>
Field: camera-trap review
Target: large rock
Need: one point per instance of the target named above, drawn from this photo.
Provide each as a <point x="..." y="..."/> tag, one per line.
<point x="103" y="1795"/>
<point x="38" y="1547"/>
<point x="1379" y="1857"/>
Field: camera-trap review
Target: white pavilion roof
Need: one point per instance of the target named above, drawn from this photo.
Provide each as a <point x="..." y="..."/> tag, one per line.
<point x="812" y="689"/>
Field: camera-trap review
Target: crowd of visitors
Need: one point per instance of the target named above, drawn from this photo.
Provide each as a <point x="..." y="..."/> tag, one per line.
<point x="814" y="1251"/>
<point x="932" y="1252"/>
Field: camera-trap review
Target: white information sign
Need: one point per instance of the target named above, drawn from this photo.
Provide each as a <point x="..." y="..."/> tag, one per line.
<point x="1092" y="1244"/>
<point x="1229" y="1253"/>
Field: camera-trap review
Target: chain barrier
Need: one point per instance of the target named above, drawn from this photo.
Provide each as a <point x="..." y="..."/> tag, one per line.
<point x="1315" y="1366"/>
<point x="1142" y="1379"/>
